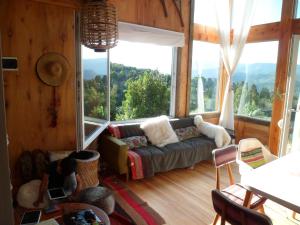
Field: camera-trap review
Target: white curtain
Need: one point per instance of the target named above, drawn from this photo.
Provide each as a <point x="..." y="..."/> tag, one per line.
<point x="200" y="95"/>
<point x="296" y="130"/>
<point x="233" y="15"/>
<point x="138" y="33"/>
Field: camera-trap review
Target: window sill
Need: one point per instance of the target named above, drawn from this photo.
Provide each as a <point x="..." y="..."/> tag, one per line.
<point x="136" y="121"/>
<point x="252" y="120"/>
<point x="207" y="115"/>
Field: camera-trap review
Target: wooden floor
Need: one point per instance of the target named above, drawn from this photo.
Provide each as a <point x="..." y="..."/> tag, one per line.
<point x="183" y="196"/>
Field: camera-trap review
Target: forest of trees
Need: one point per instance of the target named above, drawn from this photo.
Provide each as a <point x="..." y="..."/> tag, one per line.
<point x="135" y="93"/>
<point x="140" y="93"/>
<point x="248" y="100"/>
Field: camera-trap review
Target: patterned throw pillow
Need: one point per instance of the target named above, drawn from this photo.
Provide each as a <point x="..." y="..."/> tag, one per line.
<point x="187" y="133"/>
<point x="114" y="131"/>
<point x="135" y="142"/>
<point x="254" y="157"/>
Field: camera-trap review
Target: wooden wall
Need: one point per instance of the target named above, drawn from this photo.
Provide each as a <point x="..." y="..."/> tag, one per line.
<point x="38" y="116"/>
<point x="245" y="128"/>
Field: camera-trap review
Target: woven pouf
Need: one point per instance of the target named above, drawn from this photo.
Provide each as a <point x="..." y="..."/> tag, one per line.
<point x="87" y="168"/>
<point x="100" y="197"/>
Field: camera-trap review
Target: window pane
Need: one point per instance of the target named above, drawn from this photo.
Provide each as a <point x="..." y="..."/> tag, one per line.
<point x="205" y="13"/>
<point x="297" y="14"/>
<point x="95" y="88"/>
<point x="267" y="11"/>
<point x="254" y="78"/>
<point x="205" y="75"/>
<point x="140" y="80"/>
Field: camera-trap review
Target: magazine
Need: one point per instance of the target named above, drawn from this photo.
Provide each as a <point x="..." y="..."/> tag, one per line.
<point x="83" y="217"/>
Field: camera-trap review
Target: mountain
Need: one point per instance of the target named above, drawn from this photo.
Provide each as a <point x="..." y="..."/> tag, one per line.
<point x="94" y="67"/>
<point x="260" y="74"/>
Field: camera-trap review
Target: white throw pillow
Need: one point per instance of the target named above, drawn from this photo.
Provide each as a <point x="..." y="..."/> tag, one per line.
<point x="159" y="131"/>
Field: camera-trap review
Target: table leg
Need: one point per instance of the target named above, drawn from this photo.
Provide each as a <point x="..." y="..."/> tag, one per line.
<point x="248" y="198"/>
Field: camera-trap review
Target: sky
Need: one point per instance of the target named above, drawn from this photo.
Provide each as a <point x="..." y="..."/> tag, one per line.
<point x="143" y="55"/>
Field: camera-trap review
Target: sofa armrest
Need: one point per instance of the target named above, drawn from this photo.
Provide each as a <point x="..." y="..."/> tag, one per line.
<point x="115" y="153"/>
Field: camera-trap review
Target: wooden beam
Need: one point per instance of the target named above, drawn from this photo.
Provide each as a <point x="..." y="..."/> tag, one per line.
<point x="264" y="32"/>
<point x="285" y="41"/>
<point x="296" y="26"/>
<point x="204" y="33"/>
<point x="183" y="62"/>
<point x="75" y="4"/>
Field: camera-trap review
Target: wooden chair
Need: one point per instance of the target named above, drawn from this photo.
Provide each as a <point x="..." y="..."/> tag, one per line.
<point x="236" y="214"/>
<point x="235" y="192"/>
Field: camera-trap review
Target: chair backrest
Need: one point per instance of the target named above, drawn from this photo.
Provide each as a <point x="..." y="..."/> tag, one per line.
<point x="252" y="143"/>
<point x="236" y="214"/>
<point x="224" y="157"/>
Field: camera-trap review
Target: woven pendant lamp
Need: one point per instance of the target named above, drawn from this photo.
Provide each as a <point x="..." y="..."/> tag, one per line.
<point x="99" y="27"/>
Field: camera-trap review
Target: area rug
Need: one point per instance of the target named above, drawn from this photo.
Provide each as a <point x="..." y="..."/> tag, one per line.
<point x="130" y="209"/>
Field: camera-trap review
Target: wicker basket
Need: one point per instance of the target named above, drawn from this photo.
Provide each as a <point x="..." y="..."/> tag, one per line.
<point x="87" y="170"/>
<point x="99" y="27"/>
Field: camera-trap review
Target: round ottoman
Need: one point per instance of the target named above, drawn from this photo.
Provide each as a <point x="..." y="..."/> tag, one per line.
<point x="100" y="197"/>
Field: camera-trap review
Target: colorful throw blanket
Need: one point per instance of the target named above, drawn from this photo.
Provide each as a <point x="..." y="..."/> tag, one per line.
<point x="137" y="209"/>
<point x="136" y="165"/>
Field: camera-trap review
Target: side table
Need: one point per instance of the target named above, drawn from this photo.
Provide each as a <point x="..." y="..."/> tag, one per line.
<point x="65" y="208"/>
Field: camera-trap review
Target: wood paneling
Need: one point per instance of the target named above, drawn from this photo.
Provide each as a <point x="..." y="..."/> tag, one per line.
<point x="151" y="13"/>
<point x="245" y="128"/>
<point x="38" y="116"/>
<point x="285" y="42"/>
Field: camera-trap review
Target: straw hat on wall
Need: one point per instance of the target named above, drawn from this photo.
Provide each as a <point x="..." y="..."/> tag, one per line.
<point x="53" y="68"/>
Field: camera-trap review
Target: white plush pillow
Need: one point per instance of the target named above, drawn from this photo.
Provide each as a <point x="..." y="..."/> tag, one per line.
<point x="28" y="193"/>
<point x="159" y="131"/>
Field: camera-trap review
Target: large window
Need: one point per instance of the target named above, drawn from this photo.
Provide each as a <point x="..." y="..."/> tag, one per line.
<point x="254" y="78"/>
<point x="205" y="75"/>
<point x="141" y="80"/>
<point x="267" y="11"/>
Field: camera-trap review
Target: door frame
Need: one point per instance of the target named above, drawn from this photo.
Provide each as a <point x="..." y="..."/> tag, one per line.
<point x="289" y="95"/>
<point x="6" y="208"/>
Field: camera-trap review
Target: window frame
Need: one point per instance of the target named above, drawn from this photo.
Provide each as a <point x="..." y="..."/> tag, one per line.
<point x="205" y="38"/>
<point x="82" y="142"/>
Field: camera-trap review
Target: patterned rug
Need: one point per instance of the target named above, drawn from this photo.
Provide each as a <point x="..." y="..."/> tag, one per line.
<point x="130" y="209"/>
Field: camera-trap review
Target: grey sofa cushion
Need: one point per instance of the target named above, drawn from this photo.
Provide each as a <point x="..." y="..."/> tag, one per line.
<point x="129" y="130"/>
<point x="183" y="122"/>
<point x="202" y="147"/>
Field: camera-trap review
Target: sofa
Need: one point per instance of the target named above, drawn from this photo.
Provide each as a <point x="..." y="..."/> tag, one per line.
<point x="155" y="159"/>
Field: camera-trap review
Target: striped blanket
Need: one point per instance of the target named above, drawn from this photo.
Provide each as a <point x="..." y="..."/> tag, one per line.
<point x="136" y="165"/>
<point x="137" y="209"/>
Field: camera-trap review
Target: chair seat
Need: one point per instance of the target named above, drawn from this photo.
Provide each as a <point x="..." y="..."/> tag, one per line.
<point x="237" y="194"/>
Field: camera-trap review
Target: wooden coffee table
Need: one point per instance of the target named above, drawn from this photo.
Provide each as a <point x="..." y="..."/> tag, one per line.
<point x="65" y="208"/>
